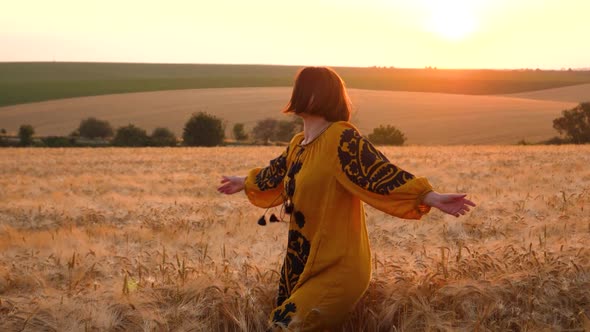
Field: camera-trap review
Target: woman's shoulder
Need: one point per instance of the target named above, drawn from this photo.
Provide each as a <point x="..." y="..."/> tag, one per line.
<point x="334" y="134"/>
<point x="297" y="138"/>
<point x="340" y="132"/>
<point x="341" y="127"/>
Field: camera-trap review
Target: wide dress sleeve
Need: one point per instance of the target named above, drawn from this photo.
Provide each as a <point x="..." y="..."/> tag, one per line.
<point x="366" y="173"/>
<point x="264" y="186"/>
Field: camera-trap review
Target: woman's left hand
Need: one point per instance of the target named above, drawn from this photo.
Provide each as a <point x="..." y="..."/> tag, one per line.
<point x="231" y="184"/>
<point x="453" y="204"/>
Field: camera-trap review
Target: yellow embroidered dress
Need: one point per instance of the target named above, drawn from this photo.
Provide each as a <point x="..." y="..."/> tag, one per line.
<point x="321" y="185"/>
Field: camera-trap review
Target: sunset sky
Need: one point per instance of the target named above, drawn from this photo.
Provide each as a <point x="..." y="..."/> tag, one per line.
<point x="416" y="33"/>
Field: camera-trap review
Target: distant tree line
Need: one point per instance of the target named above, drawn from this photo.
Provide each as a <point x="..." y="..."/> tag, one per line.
<point x="203" y="129"/>
<point x="93" y="132"/>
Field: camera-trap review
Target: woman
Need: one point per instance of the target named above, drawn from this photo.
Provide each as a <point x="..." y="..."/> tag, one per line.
<point x="321" y="179"/>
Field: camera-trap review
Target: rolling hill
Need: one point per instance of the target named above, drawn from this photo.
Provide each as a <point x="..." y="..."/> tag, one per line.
<point x="426" y="118"/>
<point x="41" y="81"/>
<point x="576" y="93"/>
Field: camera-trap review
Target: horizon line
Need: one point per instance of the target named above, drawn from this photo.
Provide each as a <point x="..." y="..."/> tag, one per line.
<point x="301" y="65"/>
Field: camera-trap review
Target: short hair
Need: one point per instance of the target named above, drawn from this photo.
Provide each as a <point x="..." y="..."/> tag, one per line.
<point x="320" y="91"/>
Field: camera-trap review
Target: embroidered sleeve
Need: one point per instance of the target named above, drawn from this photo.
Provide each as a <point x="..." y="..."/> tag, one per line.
<point x="264" y="186"/>
<point x="367" y="173"/>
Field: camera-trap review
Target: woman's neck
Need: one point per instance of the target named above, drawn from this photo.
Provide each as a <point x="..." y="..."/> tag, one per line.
<point x="312" y="127"/>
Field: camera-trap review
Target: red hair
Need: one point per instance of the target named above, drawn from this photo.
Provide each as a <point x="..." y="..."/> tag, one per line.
<point x="320" y="91"/>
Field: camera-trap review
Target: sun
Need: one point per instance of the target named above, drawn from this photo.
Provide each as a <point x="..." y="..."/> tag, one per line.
<point x="452" y="20"/>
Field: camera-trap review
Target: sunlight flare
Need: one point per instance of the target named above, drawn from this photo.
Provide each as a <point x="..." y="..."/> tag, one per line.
<point x="451" y="20"/>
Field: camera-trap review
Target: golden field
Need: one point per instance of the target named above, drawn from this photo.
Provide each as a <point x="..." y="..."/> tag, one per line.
<point x="139" y="240"/>
<point x="425" y="118"/>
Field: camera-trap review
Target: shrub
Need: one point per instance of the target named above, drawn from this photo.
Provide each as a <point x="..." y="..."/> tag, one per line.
<point x="265" y="130"/>
<point x="239" y="133"/>
<point x="58" y="141"/>
<point x="203" y="129"/>
<point x="285" y="130"/>
<point x="556" y="141"/>
<point x="94" y="128"/>
<point x="130" y="135"/>
<point x="575" y="124"/>
<point x="270" y="129"/>
<point x="163" y="137"/>
<point x="25" y="134"/>
<point x="387" y="135"/>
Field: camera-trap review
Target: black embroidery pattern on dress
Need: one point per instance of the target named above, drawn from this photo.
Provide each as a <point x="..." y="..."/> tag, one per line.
<point x="283" y="293"/>
<point x="283" y="316"/>
<point x="290" y="182"/>
<point x="272" y="175"/>
<point x="366" y="166"/>
<point x="293" y="170"/>
<point x="298" y="249"/>
<point x="299" y="219"/>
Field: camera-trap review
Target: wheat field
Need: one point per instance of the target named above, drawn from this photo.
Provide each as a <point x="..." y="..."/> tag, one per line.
<point x="139" y="240"/>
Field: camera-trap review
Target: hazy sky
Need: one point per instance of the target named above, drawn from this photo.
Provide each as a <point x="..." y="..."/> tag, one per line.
<point x="411" y="33"/>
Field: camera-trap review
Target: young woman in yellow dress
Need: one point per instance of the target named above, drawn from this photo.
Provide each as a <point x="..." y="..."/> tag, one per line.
<point x="321" y="179"/>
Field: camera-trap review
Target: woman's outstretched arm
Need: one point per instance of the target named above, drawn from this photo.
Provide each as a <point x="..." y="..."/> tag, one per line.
<point x="366" y="173"/>
<point x="263" y="186"/>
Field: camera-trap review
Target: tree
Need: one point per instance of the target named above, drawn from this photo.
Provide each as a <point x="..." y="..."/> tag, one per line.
<point x="130" y="135"/>
<point x="203" y="129"/>
<point x="270" y="129"/>
<point x="575" y="124"/>
<point x="265" y="130"/>
<point x="163" y="137"/>
<point x="387" y="135"/>
<point x="285" y="130"/>
<point x="2" y="134"/>
<point x="94" y="128"/>
<point x="25" y="134"/>
<point x="58" y="141"/>
<point x="239" y="133"/>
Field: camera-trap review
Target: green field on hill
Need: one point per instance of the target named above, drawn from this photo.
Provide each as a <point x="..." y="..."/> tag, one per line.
<point x="39" y="81"/>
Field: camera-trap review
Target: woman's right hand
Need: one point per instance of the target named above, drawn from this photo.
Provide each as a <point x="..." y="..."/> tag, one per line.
<point x="231" y="184"/>
<point x="453" y="204"/>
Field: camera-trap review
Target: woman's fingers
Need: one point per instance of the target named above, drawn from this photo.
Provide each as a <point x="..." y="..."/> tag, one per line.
<point x="456" y="204"/>
<point x="462" y="198"/>
<point x="468" y="202"/>
<point x="224" y="187"/>
<point x="458" y="210"/>
<point x="230" y="185"/>
<point x="456" y="196"/>
<point x="229" y="188"/>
